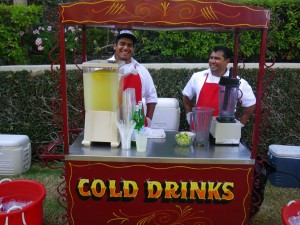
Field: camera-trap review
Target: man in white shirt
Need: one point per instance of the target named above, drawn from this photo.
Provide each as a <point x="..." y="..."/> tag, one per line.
<point x="204" y="85"/>
<point x="136" y="75"/>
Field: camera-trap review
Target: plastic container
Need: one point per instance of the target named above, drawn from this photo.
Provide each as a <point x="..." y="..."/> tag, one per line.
<point x="101" y="82"/>
<point x="201" y="119"/>
<point x="25" y="191"/>
<point x="291" y="209"/>
<point x="15" y="154"/>
<point x="286" y="160"/>
<point x="166" y="115"/>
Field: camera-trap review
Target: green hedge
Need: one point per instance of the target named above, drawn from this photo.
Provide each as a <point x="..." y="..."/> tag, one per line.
<point x="15" y="22"/>
<point x="26" y="101"/>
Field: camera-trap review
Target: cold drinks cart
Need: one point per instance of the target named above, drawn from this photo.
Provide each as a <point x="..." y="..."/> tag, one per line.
<point x="166" y="184"/>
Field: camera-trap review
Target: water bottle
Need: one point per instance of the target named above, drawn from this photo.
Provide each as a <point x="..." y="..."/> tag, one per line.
<point x="141" y="117"/>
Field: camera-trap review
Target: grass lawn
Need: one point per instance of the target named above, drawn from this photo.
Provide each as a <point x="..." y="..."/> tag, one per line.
<point x="270" y="212"/>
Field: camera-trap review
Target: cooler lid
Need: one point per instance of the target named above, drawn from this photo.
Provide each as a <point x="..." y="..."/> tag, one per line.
<point x="285" y="151"/>
<point x="99" y="63"/>
<point x="9" y="140"/>
<point x="167" y="103"/>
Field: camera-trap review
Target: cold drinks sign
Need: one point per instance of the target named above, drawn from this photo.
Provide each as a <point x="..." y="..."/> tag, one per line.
<point x="151" y="193"/>
<point x="155" y="190"/>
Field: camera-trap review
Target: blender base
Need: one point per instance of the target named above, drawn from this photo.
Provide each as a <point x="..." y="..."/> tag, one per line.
<point x="225" y="133"/>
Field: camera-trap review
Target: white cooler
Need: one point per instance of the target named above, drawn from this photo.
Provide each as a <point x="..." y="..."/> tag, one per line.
<point x="15" y="154"/>
<point x="166" y="114"/>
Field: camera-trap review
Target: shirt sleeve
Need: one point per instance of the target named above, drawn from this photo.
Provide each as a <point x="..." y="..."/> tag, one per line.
<point x="189" y="89"/>
<point x="194" y="85"/>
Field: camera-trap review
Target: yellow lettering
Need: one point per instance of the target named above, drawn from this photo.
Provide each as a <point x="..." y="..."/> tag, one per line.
<point x="80" y="186"/>
<point x="213" y="192"/>
<point x="126" y="189"/>
<point x="151" y="187"/>
<point x="183" y="190"/>
<point x="199" y="191"/>
<point x="102" y="188"/>
<point x="227" y="187"/>
<point x="112" y="189"/>
<point x="171" y="188"/>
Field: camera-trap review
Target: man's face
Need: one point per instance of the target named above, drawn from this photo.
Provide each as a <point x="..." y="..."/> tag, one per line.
<point x="124" y="49"/>
<point x="217" y="63"/>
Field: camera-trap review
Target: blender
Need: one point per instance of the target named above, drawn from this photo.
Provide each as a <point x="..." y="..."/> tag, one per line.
<point x="225" y="129"/>
<point x="101" y="102"/>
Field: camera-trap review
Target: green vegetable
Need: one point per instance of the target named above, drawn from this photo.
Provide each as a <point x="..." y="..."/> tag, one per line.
<point x="183" y="138"/>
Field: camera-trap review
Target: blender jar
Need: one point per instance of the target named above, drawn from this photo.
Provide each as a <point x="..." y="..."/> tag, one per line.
<point x="228" y="95"/>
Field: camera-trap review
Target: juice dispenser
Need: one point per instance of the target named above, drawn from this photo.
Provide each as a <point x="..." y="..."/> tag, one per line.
<point x="101" y="102"/>
<point x="225" y="128"/>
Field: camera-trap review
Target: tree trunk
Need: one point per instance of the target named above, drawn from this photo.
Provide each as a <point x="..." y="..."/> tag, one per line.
<point x="21" y="2"/>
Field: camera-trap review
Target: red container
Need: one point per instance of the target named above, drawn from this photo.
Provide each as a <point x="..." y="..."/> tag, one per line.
<point x="291" y="209"/>
<point x="28" y="191"/>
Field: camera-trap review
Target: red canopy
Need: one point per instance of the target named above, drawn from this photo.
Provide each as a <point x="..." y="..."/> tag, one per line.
<point x="165" y="15"/>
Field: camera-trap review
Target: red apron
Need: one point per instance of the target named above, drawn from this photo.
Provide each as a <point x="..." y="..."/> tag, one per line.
<point x="133" y="81"/>
<point x="209" y="96"/>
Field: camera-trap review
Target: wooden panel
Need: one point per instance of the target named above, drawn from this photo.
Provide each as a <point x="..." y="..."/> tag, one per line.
<point x="165" y="14"/>
<point x="158" y="193"/>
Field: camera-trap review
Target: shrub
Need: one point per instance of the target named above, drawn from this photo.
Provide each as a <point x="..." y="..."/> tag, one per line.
<point x="15" y="23"/>
<point x="46" y="41"/>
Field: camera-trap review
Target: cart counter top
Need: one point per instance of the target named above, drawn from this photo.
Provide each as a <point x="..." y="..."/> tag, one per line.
<point x="162" y="150"/>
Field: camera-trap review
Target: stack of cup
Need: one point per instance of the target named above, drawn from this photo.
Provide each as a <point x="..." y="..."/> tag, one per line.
<point x="125" y="130"/>
<point x="128" y="104"/>
<point x="126" y="124"/>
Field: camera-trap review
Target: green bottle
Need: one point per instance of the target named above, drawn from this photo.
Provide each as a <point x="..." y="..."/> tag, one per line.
<point x="141" y="116"/>
<point x="136" y="119"/>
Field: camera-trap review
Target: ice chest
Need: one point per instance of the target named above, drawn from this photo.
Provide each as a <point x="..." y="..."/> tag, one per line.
<point x="286" y="160"/>
<point x="166" y="114"/>
<point x="15" y="154"/>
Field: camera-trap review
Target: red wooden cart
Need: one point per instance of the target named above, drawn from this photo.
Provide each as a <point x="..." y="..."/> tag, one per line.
<point x="133" y="189"/>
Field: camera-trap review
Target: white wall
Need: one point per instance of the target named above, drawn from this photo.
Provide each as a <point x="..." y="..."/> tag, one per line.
<point x="22" y="2"/>
<point x="41" y="68"/>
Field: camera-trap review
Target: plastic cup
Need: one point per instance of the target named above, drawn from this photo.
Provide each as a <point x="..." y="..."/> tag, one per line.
<point x="141" y="141"/>
<point x="125" y="130"/>
<point x="126" y="142"/>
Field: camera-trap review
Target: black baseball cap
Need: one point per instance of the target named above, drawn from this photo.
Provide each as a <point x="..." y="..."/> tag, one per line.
<point x="126" y="34"/>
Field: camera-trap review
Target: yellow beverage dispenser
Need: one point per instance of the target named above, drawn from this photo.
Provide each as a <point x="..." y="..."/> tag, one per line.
<point x="101" y="102"/>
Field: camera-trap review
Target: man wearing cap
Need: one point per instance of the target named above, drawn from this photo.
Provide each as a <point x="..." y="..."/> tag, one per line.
<point x="134" y="75"/>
